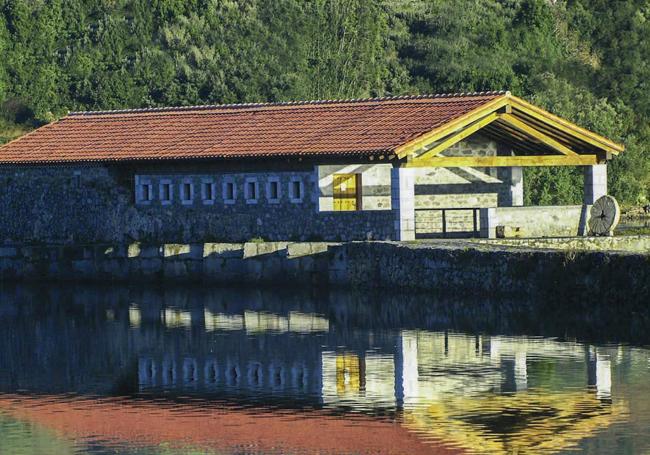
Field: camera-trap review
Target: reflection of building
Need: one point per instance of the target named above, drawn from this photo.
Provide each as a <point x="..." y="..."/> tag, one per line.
<point x="445" y="386"/>
<point x="361" y="381"/>
<point x="477" y="393"/>
<point x="428" y="366"/>
<point x="237" y="363"/>
<point x="473" y="392"/>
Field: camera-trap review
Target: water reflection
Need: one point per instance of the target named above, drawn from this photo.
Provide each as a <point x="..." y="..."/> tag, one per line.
<point x="129" y="370"/>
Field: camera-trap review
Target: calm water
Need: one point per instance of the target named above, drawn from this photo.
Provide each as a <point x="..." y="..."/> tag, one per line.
<point x="175" y="371"/>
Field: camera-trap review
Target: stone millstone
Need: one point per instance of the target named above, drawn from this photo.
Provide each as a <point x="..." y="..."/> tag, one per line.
<point x="605" y="215"/>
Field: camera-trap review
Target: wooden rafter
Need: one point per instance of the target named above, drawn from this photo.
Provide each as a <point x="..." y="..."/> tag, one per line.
<point x="516" y="146"/>
<point x="562" y="136"/>
<point x="511" y="137"/>
<point x="457" y="137"/>
<point x="544" y="139"/>
<point x="519" y="119"/>
<point x="512" y="132"/>
<point x="565" y="126"/>
<point x="505" y="161"/>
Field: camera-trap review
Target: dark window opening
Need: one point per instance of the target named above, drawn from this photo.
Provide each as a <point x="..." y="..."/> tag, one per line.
<point x="230" y="191"/>
<point x="274" y="190"/>
<point x="166" y="192"/>
<point x="187" y="191"/>
<point x="208" y="191"/>
<point x="252" y="190"/>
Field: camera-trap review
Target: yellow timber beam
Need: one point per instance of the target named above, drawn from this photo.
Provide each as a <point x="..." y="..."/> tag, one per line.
<point x="448" y="128"/>
<point x="543" y="138"/>
<point x="565" y="126"/>
<point x="454" y="139"/>
<point x="505" y="161"/>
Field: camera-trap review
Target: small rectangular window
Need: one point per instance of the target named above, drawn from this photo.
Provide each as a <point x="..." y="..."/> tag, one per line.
<point x="144" y="191"/>
<point x="187" y="192"/>
<point x="229" y="191"/>
<point x="296" y="190"/>
<point x="208" y="191"/>
<point x="251" y="190"/>
<point x="273" y="190"/>
<point x="166" y="192"/>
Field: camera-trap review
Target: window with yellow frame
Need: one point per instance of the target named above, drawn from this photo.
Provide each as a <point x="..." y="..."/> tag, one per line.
<point x="347" y="192"/>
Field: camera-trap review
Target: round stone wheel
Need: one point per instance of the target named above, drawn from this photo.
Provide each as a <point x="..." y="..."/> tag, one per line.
<point x="605" y="215"/>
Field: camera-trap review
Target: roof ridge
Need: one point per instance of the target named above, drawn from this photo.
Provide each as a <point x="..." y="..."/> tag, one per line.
<point x="287" y="103"/>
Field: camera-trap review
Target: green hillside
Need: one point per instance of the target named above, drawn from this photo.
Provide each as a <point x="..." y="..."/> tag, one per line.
<point x="587" y="60"/>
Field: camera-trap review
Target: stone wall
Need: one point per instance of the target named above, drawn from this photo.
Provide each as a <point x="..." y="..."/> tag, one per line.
<point x="97" y="204"/>
<point x="631" y="243"/>
<point x="435" y="188"/>
<point x="543" y="221"/>
<point x="456" y="268"/>
<point x="581" y="279"/>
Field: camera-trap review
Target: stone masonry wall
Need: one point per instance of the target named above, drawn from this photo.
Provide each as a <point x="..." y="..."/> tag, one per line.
<point x="89" y="204"/>
<point x="544" y="221"/>
<point x="442" y="267"/>
<point x="96" y="204"/>
<point x="435" y="188"/>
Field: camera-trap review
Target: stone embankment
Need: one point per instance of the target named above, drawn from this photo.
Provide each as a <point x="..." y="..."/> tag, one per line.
<point x="458" y="267"/>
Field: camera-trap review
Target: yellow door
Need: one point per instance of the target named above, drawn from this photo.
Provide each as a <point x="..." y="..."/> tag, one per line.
<point x="348" y="373"/>
<point x="347" y="192"/>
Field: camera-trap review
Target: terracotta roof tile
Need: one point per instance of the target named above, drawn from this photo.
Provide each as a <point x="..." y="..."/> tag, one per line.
<point x="312" y="128"/>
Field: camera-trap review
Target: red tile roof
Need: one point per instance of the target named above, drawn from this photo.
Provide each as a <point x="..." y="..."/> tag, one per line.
<point x="313" y="128"/>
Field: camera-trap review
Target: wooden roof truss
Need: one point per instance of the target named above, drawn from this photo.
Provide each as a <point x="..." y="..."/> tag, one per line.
<point x="536" y="137"/>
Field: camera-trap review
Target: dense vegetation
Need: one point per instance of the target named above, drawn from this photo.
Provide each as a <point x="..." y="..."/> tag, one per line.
<point x="587" y="60"/>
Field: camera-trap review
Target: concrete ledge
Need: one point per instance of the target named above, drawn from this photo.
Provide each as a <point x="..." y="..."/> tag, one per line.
<point x="633" y="243"/>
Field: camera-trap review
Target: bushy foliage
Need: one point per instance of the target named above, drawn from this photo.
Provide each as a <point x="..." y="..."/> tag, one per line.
<point x="585" y="60"/>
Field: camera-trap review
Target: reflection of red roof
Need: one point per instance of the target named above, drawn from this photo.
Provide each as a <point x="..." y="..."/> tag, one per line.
<point x="216" y="426"/>
<point x="234" y="131"/>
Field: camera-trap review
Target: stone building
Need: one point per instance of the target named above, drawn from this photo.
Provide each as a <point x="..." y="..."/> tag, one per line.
<point x="386" y="168"/>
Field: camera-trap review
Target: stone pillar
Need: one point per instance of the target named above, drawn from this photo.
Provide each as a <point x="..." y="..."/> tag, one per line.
<point x="595" y="182"/>
<point x="317" y="191"/>
<point x="488" y="222"/>
<point x="402" y="190"/>
<point x="517" y="186"/>
<point x="511" y="190"/>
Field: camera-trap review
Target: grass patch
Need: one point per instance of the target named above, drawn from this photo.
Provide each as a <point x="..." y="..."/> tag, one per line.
<point x="634" y="231"/>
